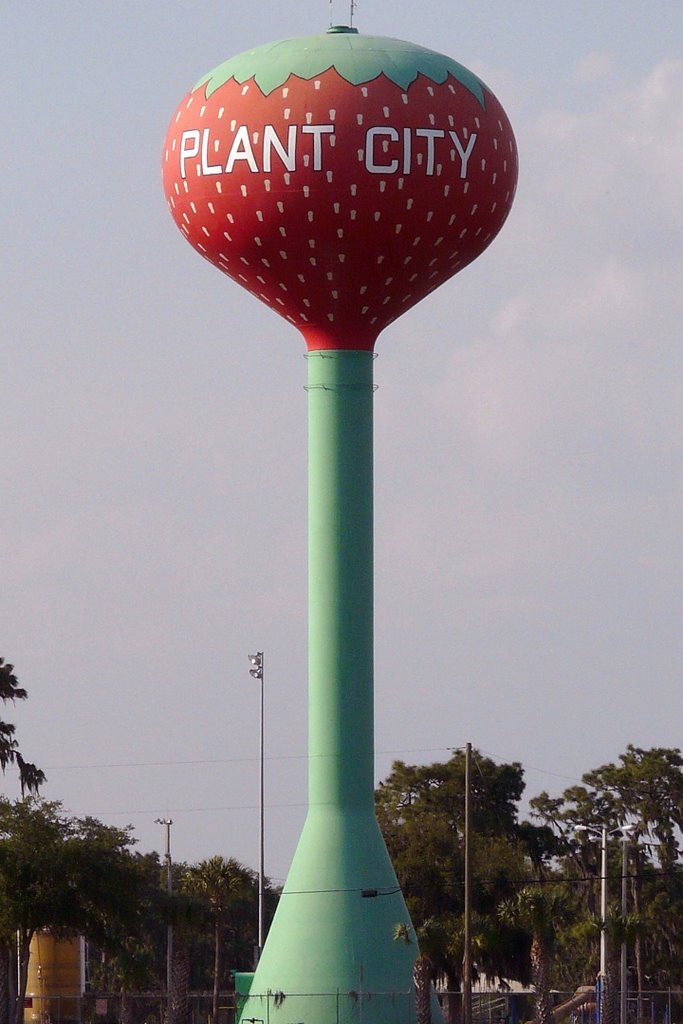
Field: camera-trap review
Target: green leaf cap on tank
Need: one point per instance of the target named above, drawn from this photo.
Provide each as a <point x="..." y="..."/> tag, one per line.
<point x="358" y="59"/>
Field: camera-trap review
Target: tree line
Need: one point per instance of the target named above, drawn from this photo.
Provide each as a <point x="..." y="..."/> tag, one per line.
<point x="535" y="892"/>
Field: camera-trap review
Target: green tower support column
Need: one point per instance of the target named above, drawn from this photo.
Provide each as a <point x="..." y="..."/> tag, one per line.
<point x="340" y="580"/>
<point x="331" y="955"/>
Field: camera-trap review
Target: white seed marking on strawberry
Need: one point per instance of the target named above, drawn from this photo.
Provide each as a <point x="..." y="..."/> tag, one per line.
<point x="407" y="260"/>
<point x="307" y="159"/>
<point x="409" y="204"/>
<point x="330" y="175"/>
<point x="291" y="319"/>
<point x="283" y="231"/>
<point x="430" y="215"/>
<point x="311" y="243"/>
<point x="462" y="233"/>
<point x="287" y="113"/>
<point x="377" y="215"/>
<point x="245" y="260"/>
<point x="398" y="229"/>
<point x="374" y="320"/>
<point x="309" y="117"/>
<point x="335" y="294"/>
<point x="330" y="317"/>
<point x="493" y="208"/>
<point x="193" y="207"/>
<point x="359" y="118"/>
<point x="283" y="254"/>
<point x="465" y="188"/>
<point x="495" y="142"/>
<point x="353" y="214"/>
<point x="329" y="275"/>
<point x="243" y="278"/>
<point x="258" y="241"/>
<point x="364" y="310"/>
<point x="283" y="286"/>
<point x="307" y="303"/>
<point x="189" y="103"/>
<point x="354" y="189"/>
<point x="380" y="260"/>
<point x="265" y="262"/>
<point x="266" y="184"/>
<point x="478" y="232"/>
<point x="432" y="262"/>
<point x="434" y="273"/>
<point x="316" y="84"/>
<point x="243" y="189"/>
<point x="451" y="121"/>
<point x="386" y="111"/>
<point x="417" y="241"/>
<point x="446" y="189"/>
<point x="364" y="91"/>
<point x="310" y="216"/>
<point x="211" y="207"/>
<point x="304" y="317"/>
<point x="340" y="232"/>
<point x="259" y="215"/>
<point x="281" y="207"/>
<point x="262" y="295"/>
<point x="333" y="114"/>
<point x="382" y="186"/>
<point x="245" y="90"/>
<point x="388" y="281"/>
<point x="171" y="202"/>
<point x="413" y="277"/>
<point x="439" y="240"/>
<point x="301" y="278"/>
<point x="201" y="110"/>
<point x="287" y="177"/>
<point x="233" y="125"/>
<point x="177" y="190"/>
<point x="279" y="301"/>
<point x="226" y="235"/>
<point x="333" y="141"/>
<point x="361" y="155"/>
<point x="186" y="218"/>
<point x="505" y="166"/>
<point x="231" y="218"/>
<point x="474" y="209"/>
<point x="363" y="289"/>
<point x="432" y="119"/>
<point x="306" y="191"/>
<point x="404" y="97"/>
<point x="201" y="247"/>
<point x="342" y="257"/>
<point x="336" y="207"/>
<point x="177" y="117"/>
<point x="495" y="176"/>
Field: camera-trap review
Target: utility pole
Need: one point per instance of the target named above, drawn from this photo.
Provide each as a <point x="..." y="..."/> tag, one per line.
<point x="467" y="954"/>
<point x="167" y="822"/>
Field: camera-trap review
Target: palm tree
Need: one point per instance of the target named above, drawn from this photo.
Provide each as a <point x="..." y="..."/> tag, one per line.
<point x="540" y="913"/>
<point x="30" y="777"/>
<point x="225" y="885"/>
<point x="430" y="938"/>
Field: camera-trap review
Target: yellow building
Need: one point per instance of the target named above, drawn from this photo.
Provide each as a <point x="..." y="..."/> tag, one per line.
<point x="55" y="980"/>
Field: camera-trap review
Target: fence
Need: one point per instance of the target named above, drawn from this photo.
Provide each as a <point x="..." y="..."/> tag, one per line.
<point x="650" y="1007"/>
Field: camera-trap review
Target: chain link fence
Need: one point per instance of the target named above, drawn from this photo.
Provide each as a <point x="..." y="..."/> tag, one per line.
<point x="651" y="1007"/>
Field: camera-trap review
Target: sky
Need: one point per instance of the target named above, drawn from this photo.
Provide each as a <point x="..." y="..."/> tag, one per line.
<point x="528" y="429"/>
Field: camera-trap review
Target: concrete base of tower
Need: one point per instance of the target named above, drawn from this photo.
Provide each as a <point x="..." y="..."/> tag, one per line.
<point x="341" y="947"/>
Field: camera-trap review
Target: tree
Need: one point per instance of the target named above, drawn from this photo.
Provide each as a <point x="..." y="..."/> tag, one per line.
<point x="226" y="886"/>
<point x="30" y="777"/>
<point x="421" y="813"/>
<point x="539" y="910"/>
<point x="65" y="874"/>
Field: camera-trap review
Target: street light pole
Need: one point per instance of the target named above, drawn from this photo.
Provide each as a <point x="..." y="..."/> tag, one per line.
<point x="623" y="967"/>
<point x="167" y="822"/>
<point x="603" y="917"/>
<point x="257" y="672"/>
<point x="467" y="957"/>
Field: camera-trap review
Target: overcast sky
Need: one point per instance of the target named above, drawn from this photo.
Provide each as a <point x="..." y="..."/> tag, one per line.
<point x="529" y="428"/>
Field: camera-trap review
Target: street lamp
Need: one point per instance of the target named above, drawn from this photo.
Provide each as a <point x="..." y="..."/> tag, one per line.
<point x="257" y="672"/>
<point x="605" y="833"/>
<point x="626" y="834"/>
<point x="167" y="822"/>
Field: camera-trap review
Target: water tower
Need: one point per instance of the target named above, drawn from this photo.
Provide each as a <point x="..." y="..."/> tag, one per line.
<point x="340" y="178"/>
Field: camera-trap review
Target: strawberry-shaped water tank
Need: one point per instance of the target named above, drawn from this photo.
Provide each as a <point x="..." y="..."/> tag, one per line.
<point x="340" y="178"/>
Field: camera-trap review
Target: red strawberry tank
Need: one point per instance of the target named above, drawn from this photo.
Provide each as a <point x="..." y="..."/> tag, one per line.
<point x="340" y="178"/>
